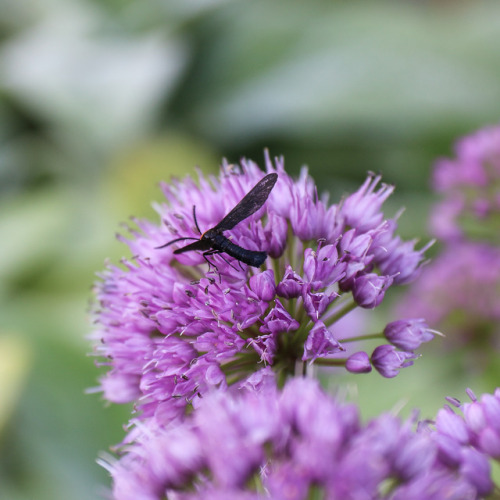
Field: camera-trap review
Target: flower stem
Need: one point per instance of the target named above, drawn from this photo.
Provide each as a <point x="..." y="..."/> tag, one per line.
<point x="358" y="338"/>
<point x="330" y="362"/>
<point x="344" y="309"/>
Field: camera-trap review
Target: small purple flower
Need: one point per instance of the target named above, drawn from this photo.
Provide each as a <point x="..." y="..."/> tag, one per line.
<point x="356" y="257"/>
<point x="275" y="233"/>
<point x="315" y="304"/>
<point x="309" y="216"/>
<point x="266" y="347"/>
<point x="172" y="329"/>
<point x="279" y="320"/>
<point x="320" y="343"/>
<point x="450" y="424"/>
<point x="369" y="289"/>
<point x="408" y="334"/>
<point x="404" y="261"/>
<point x="263" y="285"/>
<point x="361" y="210"/>
<point x="388" y="361"/>
<point x="290" y="287"/>
<point x="323" y="266"/>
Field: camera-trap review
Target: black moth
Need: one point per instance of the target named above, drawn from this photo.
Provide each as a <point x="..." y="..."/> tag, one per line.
<point x="213" y="242"/>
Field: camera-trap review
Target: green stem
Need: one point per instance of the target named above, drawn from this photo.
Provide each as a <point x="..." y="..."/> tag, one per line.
<point x="369" y="336"/>
<point x="316" y="493"/>
<point x="250" y="332"/>
<point x="341" y="313"/>
<point x="300" y="314"/>
<point x="240" y="362"/>
<point x="330" y="362"/>
<point x="304" y="368"/>
<point x="276" y="269"/>
<point x="231" y="380"/>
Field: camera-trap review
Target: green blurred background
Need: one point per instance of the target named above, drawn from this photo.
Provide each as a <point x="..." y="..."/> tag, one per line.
<point x="101" y="99"/>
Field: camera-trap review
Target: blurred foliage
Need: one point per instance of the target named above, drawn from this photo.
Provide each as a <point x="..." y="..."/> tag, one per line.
<point x="99" y="100"/>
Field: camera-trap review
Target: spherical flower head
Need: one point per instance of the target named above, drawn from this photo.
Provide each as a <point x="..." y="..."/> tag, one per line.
<point x="291" y="443"/>
<point x="469" y="183"/>
<point x="173" y="324"/>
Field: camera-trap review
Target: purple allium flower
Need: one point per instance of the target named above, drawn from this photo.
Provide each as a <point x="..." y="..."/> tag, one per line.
<point x="458" y="291"/>
<point x="287" y="444"/>
<point x="470" y="184"/>
<point x="171" y="328"/>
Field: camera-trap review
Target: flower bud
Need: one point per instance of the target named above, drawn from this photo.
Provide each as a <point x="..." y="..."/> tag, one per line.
<point x="408" y="334"/>
<point x="388" y="361"/>
<point x="263" y="285"/>
<point x="359" y="362"/>
<point x="369" y="289"/>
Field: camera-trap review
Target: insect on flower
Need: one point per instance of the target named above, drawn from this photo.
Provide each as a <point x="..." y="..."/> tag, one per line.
<point x="213" y="242"/>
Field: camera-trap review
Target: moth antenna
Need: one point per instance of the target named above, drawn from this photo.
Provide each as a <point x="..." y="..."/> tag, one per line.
<point x="195" y="220"/>
<point x="175" y="241"/>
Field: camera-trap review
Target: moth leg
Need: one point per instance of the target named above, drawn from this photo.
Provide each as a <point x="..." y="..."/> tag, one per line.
<point x="228" y="263"/>
<point x="220" y="252"/>
<point x="217" y="252"/>
<point x="209" y="262"/>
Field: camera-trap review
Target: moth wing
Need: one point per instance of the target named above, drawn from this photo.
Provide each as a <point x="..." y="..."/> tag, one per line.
<point x="249" y="204"/>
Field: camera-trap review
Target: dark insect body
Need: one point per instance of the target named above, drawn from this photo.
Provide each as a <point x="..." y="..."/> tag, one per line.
<point x="213" y="242"/>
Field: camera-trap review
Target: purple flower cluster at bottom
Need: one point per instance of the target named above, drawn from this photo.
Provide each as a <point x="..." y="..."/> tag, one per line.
<point x="298" y="442"/>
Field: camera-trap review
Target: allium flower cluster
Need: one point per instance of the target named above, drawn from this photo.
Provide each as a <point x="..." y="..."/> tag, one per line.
<point x="470" y="186"/>
<point x="172" y="327"/>
<point x="298" y="444"/>
<point x="458" y="291"/>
